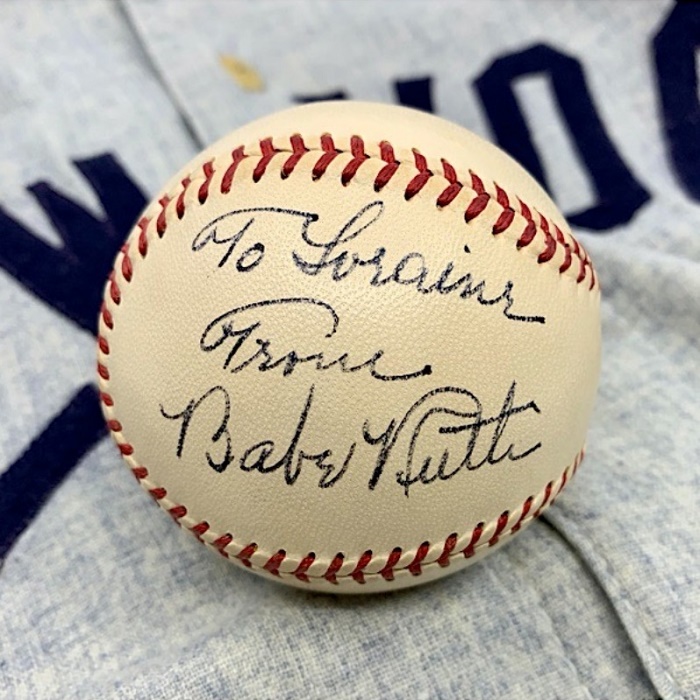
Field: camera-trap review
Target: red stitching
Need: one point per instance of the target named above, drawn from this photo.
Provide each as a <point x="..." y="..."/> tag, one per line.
<point x="502" y="197"/>
<point x="507" y="215"/>
<point x="449" y="173"/>
<point x="200" y="529"/>
<point x="560" y="488"/>
<point x="420" y="161"/>
<point x="500" y="527"/>
<point x="526" y="509"/>
<point x="208" y="170"/>
<point x="330" y="152"/>
<point x="476" y="536"/>
<point x="477" y="183"/>
<point x="503" y="222"/>
<point x="453" y="189"/>
<point x="221" y="543"/>
<point x="177" y="512"/>
<point x="299" y="149"/>
<point x="246" y="553"/>
<point x="545" y="500"/>
<point x="358" y="572"/>
<point x="582" y="271"/>
<point x="143" y="236"/>
<point x="550" y="243"/>
<point x="127" y="269"/>
<point x="106" y="316"/>
<point x="272" y="565"/>
<point x="421" y="179"/>
<point x="528" y="235"/>
<point x="386" y="151"/>
<point x="357" y="148"/>
<point x="387" y="571"/>
<point x="140" y="472"/>
<point x="594" y="278"/>
<point x="114" y="289"/>
<point x="161" y="221"/>
<point x="333" y="568"/>
<point x="304" y="564"/>
<point x="421" y="553"/>
<point x="237" y="155"/>
<point x="180" y="204"/>
<point x="567" y="250"/>
<point x="476" y="206"/>
<point x="268" y="152"/>
<point x="450" y="544"/>
<point x="158" y="493"/>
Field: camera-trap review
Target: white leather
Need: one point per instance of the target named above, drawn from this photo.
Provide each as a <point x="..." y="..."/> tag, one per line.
<point x="155" y="359"/>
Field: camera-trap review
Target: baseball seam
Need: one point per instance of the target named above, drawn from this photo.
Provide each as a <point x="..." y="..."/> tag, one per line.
<point x="357" y="568"/>
<point x="482" y="536"/>
<point x="534" y="221"/>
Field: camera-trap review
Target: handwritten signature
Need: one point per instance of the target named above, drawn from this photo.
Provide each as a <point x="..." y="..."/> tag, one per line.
<point x="332" y="254"/>
<point x="443" y="434"/>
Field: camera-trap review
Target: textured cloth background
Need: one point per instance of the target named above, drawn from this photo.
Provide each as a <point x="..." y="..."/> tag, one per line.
<point x="101" y="596"/>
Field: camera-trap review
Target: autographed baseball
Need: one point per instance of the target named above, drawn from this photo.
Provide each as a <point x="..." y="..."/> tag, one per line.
<point x="352" y="347"/>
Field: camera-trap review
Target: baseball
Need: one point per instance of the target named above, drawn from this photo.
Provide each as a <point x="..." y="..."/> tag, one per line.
<point x="351" y="347"/>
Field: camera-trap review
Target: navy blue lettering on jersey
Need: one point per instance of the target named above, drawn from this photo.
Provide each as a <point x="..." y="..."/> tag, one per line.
<point x="675" y="47"/>
<point x="417" y="93"/>
<point x="70" y="279"/>
<point x="335" y="95"/>
<point x="30" y="480"/>
<point x="619" y="194"/>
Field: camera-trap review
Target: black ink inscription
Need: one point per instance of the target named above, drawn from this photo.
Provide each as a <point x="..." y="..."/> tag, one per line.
<point x="332" y="254"/>
<point x="443" y="434"/>
<point x="253" y="336"/>
<point x="480" y="445"/>
<point x="258" y="457"/>
<point x="221" y="434"/>
<point x="253" y="255"/>
<point x="413" y="270"/>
